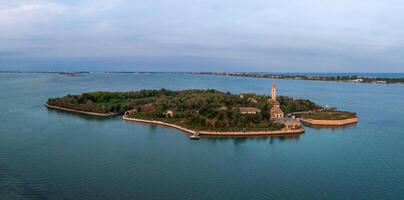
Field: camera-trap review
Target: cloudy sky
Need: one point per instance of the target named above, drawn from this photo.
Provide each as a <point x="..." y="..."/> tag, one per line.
<point x="203" y="35"/>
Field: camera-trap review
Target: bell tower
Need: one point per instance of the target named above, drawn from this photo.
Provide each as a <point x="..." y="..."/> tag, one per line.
<point x="273" y="91"/>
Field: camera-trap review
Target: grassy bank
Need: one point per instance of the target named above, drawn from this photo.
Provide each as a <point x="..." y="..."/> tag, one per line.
<point x="330" y="115"/>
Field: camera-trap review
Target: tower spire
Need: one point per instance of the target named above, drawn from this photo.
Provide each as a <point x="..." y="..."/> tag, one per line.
<point x="273" y="91"/>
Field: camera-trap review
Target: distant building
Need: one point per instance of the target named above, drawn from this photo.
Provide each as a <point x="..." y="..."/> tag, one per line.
<point x="358" y="80"/>
<point x="290" y="124"/>
<point x="252" y="100"/>
<point x="249" y="110"/>
<point x="169" y="113"/>
<point x="130" y="112"/>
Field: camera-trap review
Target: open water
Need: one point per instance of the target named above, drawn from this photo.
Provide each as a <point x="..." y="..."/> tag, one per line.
<point x="48" y="154"/>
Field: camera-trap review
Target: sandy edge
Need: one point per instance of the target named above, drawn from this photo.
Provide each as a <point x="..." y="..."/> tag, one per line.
<point x="211" y="133"/>
<point x="342" y="122"/>
<point x="81" y="112"/>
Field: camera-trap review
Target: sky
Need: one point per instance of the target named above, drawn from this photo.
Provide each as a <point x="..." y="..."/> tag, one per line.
<point x="203" y="35"/>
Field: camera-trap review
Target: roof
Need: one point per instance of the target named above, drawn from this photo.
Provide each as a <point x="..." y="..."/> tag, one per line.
<point x="249" y="109"/>
<point x="129" y="112"/>
<point x="276" y="109"/>
<point x="252" y="100"/>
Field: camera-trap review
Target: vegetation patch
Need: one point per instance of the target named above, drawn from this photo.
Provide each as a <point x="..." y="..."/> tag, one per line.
<point x="330" y="115"/>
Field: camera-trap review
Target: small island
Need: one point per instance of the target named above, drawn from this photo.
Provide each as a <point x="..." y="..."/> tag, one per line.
<point x="329" y="118"/>
<point x="198" y="112"/>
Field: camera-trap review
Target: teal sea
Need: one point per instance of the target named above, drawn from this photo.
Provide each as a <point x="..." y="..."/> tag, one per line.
<point x="47" y="154"/>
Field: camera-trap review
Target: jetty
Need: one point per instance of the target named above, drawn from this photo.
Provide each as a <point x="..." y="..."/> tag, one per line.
<point x="195" y="136"/>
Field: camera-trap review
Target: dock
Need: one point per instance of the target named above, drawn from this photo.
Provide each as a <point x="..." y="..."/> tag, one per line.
<point x="194" y="136"/>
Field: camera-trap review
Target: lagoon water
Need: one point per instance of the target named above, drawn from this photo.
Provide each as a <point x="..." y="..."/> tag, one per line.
<point x="48" y="154"/>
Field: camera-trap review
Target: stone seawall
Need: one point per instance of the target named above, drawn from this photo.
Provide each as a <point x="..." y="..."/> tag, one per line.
<point x="317" y="122"/>
<point x="253" y="133"/>
<point x="219" y="134"/>
<point x="81" y="112"/>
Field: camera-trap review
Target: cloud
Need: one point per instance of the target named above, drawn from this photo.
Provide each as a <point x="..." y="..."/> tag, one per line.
<point x="307" y="35"/>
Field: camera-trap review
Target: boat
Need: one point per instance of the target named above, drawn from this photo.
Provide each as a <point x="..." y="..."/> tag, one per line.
<point x="194" y="137"/>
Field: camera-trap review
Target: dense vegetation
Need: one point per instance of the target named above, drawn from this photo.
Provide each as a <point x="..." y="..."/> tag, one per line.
<point x="108" y="102"/>
<point x="196" y="109"/>
<point x="330" y="115"/>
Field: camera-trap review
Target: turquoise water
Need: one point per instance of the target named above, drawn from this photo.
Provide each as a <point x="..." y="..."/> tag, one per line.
<point x="55" y="155"/>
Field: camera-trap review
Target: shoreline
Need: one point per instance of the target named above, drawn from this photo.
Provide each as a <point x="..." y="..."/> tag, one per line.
<point x="331" y="123"/>
<point x="217" y="133"/>
<point x="308" y="122"/>
<point x="189" y="131"/>
<point x="349" y="79"/>
<point x="81" y="112"/>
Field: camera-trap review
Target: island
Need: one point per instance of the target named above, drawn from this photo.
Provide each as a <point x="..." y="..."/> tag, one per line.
<point x="72" y="73"/>
<point x="198" y="112"/>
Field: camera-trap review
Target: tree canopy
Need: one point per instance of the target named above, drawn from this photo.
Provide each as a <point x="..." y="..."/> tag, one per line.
<point x="197" y="109"/>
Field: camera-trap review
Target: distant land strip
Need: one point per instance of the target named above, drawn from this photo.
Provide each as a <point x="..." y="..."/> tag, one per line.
<point x="346" y="78"/>
<point x="338" y="78"/>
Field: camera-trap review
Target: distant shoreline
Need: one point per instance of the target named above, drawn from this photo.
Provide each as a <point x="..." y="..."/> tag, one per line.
<point x="81" y="112"/>
<point x="320" y="76"/>
<point x="336" y="78"/>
